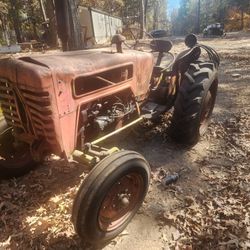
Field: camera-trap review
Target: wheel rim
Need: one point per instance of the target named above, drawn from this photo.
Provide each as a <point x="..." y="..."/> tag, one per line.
<point x="120" y="201"/>
<point x="207" y="109"/>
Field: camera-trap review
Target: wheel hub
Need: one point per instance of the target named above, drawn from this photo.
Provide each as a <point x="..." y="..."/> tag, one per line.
<point x="120" y="200"/>
<point x="124" y="199"/>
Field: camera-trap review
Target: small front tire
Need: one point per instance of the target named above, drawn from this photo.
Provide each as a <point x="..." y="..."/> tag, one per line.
<point x="110" y="196"/>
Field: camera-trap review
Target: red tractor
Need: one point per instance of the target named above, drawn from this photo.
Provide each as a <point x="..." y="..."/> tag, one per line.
<point x="69" y="103"/>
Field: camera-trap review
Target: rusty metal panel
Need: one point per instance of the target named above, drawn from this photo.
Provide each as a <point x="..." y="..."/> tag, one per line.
<point x="44" y="86"/>
<point x="27" y="92"/>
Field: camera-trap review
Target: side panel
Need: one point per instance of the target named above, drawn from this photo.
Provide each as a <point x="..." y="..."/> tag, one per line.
<point x="143" y="72"/>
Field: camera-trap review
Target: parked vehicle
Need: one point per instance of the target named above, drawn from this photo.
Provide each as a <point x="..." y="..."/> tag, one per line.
<point x="158" y="33"/>
<point x="216" y="29"/>
<point x="69" y="103"/>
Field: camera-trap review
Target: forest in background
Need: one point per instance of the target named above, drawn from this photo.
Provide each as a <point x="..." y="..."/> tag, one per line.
<point x="195" y="15"/>
<point x="25" y="20"/>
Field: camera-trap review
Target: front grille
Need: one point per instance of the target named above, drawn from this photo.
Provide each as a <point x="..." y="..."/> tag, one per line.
<point x="9" y="105"/>
<point x="35" y="104"/>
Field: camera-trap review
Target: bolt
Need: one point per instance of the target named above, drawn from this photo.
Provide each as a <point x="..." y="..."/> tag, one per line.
<point x="125" y="201"/>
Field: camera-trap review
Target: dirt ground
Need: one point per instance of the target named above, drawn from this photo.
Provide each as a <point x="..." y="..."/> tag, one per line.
<point x="207" y="208"/>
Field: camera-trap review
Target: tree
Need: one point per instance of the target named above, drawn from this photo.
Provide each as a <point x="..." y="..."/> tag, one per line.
<point x="157" y="14"/>
<point x="114" y="7"/>
<point x="198" y="16"/>
<point x="51" y="23"/>
<point x="68" y="25"/>
<point x="194" y="15"/>
<point x="243" y="6"/>
<point x="3" y="22"/>
<point x="142" y="18"/>
<point x="14" y="11"/>
<point x="180" y="19"/>
<point x="130" y="12"/>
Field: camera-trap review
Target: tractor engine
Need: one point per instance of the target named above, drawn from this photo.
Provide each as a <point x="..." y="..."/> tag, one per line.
<point x="106" y="115"/>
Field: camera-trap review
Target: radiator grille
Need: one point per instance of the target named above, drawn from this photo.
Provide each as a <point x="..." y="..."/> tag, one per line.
<point x="9" y="105"/>
<point x="35" y="104"/>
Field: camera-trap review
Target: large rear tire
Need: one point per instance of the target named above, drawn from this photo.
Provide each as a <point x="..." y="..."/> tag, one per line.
<point x="110" y="196"/>
<point x="194" y="103"/>
<point x="15" y="160"/>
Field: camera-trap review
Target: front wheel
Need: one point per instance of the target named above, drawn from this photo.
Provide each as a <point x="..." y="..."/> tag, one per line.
<point x="194" y="103"/>
<point x="110" y="196"/>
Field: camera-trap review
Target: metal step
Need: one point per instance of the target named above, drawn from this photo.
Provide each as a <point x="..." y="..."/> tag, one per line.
<point x="152" y="110"/>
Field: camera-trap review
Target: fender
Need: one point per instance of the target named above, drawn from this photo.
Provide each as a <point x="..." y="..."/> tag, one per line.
<point x="184" y="59"/>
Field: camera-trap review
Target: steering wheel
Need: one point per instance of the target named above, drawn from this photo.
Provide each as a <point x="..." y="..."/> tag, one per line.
<point x="134" y="41"/>
<point x="159" y="47"/>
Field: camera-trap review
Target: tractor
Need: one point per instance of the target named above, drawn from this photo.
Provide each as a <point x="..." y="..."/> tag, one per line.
<point x="69" y="103"/>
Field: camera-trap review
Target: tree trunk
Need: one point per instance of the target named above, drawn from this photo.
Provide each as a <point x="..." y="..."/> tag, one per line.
<point x="221" y="12"/>
<point x="155" y="22"/>
<point x="32" y="20"/>
<point x="43" y="10"/>
<point x="198" y="17"/>
<point x="145" y="13"/>
<point x="62" y="20"/>
<point x="50" y="14"/>
<point x="5" y="29"/>
<point x="75" y="41"/>
<point x="68" y="26"/>
<point x="15" y="20"/>
<point x="142" y="18"/>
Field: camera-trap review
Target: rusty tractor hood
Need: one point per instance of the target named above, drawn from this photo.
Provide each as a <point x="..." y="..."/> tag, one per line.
<point x="82" y="62"/>
<point x="44" y="84"/>
<point x="65" y="66"/>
